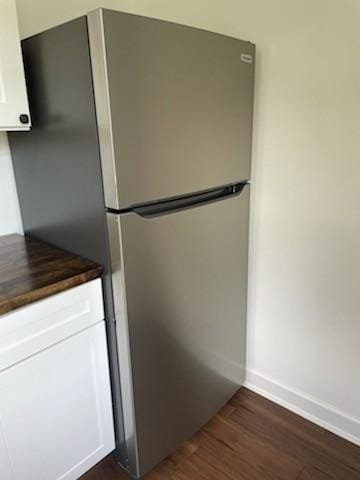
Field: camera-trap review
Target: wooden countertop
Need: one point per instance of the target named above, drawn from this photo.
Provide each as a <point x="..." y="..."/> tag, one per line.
<point x="31" y="270"/>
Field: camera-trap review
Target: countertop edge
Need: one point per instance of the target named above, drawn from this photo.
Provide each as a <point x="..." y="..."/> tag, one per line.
<point x="24" y="299"/>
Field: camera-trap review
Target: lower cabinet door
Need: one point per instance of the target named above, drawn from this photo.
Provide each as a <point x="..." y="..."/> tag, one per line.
<point x="55" y="410"/>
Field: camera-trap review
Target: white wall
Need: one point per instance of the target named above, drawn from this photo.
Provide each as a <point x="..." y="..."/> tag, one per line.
<point x="304" y="326"/>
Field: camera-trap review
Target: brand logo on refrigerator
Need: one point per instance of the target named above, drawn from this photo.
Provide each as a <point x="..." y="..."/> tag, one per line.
<point x="246" y="58"/>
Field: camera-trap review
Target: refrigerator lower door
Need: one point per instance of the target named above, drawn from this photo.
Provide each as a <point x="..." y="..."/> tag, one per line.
<point x="180" y="287"/>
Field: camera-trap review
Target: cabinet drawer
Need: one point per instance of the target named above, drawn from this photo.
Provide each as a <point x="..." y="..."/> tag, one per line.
<point x="35" y="327"/>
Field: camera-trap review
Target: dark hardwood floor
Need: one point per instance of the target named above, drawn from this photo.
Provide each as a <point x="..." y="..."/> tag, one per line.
<point x="253" y="439"/>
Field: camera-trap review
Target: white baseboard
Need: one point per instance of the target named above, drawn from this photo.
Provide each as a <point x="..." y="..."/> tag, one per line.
<point x="305" y="405"/>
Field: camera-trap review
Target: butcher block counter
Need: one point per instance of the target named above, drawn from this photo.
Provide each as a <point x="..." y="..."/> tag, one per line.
<point x="31" y="270"/>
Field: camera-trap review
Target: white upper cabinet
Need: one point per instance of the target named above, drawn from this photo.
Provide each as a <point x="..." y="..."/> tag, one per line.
<point x="14" y="108"/>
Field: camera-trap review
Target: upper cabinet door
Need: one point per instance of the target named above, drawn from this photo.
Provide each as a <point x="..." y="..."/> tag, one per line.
<point x="14" y="109"/>
<point x="180" y="103"/>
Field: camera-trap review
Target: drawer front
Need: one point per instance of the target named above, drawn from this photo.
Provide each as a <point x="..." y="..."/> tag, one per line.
<point x="33" y="328"/>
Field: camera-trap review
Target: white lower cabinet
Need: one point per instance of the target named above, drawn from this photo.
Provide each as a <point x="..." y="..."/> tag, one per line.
<point x="55" y="405"/>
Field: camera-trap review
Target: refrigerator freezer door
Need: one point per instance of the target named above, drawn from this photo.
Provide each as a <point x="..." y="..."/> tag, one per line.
<point x="174" y="107"/>
<point x="180" y="288"/>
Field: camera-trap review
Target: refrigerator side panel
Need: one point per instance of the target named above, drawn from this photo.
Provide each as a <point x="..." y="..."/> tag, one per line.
<point x="106" y="143"/>
<point x="102" y="101"/>
<point x="122" y="335"/>
<point x="180" y="103"/>
<point x="185" y="276"/>
<point x="57" y="163"/>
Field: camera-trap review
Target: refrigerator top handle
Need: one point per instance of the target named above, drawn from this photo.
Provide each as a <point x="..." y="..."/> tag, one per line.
<point x="184" y="202"/>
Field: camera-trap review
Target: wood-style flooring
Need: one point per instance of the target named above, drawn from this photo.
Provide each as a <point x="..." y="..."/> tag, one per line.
<point x="252" y="439"/>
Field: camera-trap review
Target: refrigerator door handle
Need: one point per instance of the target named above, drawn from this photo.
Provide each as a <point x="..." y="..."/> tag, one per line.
<point x="171" y="205"/>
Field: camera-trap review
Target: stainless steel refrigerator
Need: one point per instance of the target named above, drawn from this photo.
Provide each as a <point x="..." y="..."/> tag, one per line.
<point x="139" y="158"/>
